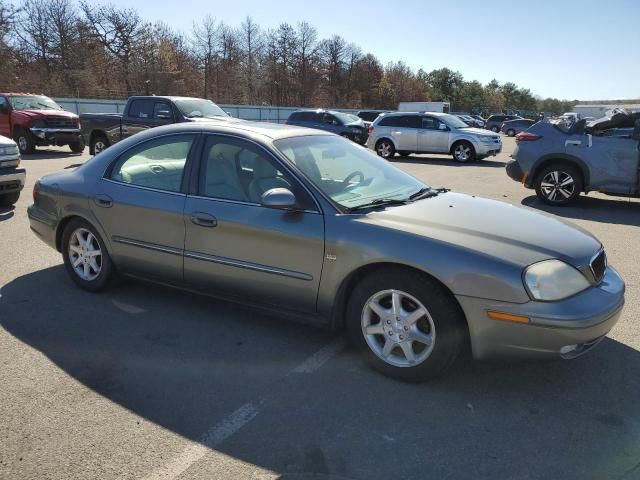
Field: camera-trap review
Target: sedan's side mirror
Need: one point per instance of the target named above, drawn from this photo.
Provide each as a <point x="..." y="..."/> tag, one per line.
<point x="279" y="198"/>
<point x="164" y="115"/>
<point x="4" y="108"/>
<point x="443" y="127"/>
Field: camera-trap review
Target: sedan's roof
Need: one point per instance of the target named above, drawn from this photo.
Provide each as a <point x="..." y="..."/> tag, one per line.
<point x="273" y="131"/>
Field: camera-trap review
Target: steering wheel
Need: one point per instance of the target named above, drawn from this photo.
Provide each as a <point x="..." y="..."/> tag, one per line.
<point x="346" y="182"/>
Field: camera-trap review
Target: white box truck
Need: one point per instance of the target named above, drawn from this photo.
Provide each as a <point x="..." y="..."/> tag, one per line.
<point x="442" y="107"/>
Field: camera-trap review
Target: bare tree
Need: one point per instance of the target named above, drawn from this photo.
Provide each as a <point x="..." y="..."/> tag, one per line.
<point x="205" y="38"/>
<point x="118" y="31"/>
<point x="251" y="44"/>
<point x="306" y="61"/>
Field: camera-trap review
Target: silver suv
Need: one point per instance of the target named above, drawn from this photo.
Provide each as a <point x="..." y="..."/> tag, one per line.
<point x="407" y="133"/>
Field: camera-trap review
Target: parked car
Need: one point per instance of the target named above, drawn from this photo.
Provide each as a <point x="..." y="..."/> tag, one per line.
<point x="471" y="121"/>
<point x="560" y="162"/>
<point x="368" y="116"/>
<point x="36" y="120"/>
<point x="407" y="133"/>
<point x="309" y="225"/>
<point x="480" y="119"/>
<point x="11" y="176"/>
<point x="494" y="122"/>
<point x="335" y="122"/>
<point x="101" y="130"/>
<point x="512" y="127"/>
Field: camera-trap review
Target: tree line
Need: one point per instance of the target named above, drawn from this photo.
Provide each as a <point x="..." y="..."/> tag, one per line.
<point x="85" y="49"/>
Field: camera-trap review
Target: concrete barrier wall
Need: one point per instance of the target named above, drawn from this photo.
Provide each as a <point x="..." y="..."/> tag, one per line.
<point x="246" y="112"/>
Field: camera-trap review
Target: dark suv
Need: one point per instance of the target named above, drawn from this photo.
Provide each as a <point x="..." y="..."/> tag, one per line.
<point x="342" y="124"/>
<point x="494" y="122"/>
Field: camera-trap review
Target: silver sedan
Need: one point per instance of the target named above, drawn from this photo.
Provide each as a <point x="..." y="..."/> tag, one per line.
<point x="309" y="225"/>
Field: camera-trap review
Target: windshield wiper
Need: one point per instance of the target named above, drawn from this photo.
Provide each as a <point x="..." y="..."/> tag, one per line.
<point x="427" y="192"/>
<point x="379" y="202"/>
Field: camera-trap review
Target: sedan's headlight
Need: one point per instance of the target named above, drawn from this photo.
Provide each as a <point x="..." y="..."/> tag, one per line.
<point x="486" y="139"/>
<point x="553" y="280"/>
<point x="11" y="150"/>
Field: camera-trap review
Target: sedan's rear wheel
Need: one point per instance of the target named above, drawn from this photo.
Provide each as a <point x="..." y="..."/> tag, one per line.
<point x="558" y="184"/>
<point x="511" y="132"/>
<point x="385" y="148"/>
<point x="85" y="256"/>
<point x="406" y="324"/>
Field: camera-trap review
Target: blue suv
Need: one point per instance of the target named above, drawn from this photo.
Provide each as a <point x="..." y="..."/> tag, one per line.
<point x="344" y="124"/>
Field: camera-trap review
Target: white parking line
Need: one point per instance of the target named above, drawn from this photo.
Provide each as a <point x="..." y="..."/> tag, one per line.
<point x="315" y="361"/>
<point x="234" y="422"/>
<point x="128" y="308"/>
<point x="212" y="438"/>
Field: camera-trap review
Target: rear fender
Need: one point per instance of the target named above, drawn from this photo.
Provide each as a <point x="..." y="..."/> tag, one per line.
<point x="545" y="160"/>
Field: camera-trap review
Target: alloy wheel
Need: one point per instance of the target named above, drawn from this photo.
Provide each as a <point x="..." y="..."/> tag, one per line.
<point x="557" y="185"/>
<point x="462" y="152"/>
<point x="384" y="149"/>
<point x="398" y="328"/>
<point x="85" y="254"/>
<point x="99" y="146"/>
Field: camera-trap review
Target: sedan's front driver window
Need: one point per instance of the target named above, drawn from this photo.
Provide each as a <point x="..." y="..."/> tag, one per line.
<point x="157" y="164"/>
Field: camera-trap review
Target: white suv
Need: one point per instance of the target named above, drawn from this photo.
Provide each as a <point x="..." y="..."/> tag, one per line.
<point x="407" y="133"/>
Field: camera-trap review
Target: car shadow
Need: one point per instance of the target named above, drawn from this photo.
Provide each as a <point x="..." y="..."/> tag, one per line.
<point x="6" y="213"/>
<point x="183" y="361"/>
<point x="615" y="210"/>
<point x="433" y="160"/>
<point x="48" y="154"/>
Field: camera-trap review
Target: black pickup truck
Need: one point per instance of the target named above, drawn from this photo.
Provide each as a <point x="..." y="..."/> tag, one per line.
<point x="100" y="130"/>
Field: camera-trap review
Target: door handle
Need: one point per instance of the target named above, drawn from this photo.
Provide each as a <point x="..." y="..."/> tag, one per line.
<point x="203" y="219"/>
<point x="572" y="142"/>
<point x="104" y="201"/>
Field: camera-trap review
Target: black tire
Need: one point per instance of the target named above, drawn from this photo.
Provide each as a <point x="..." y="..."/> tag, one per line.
<point x="25" y="141"/>
<point x="385" y="148"/>
<point x="77" y="147"/>
<point x="552" y="187"/>
<point x="8" y="199"/>
<point x="98" y="143"/>
<point x="106" y="274"/>
<point x="511" y="132"/>
<point x="446" y="315"/>
<point x="495" y="129"/>
<point x="463" y="152"/>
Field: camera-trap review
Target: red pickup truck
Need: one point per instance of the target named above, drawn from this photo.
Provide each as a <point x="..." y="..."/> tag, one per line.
<point x="36" y="120"/>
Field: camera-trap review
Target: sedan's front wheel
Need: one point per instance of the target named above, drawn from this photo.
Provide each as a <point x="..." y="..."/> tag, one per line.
<point x="85" y="256"/>
<point x="405" y="324"/>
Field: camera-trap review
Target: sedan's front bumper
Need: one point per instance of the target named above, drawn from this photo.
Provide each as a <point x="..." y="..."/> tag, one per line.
<point x="12" y="179"/>
<point x="561" y="329"/>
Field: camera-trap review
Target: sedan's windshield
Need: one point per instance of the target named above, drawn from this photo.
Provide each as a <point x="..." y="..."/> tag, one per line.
<point x="350" y="175"/>
<point x="452" y="121"/>
<point x="199" y="108"/>
<point x="33" y="102"/>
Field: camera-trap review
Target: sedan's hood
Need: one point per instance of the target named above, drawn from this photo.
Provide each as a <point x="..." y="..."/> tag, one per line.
<point x="215" y="119"/>
<point x="517" y="235"/>
<point x="6" y="142"/>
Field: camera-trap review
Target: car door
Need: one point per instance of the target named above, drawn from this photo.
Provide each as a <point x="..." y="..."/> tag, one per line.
<point x="612" y="161"/>
<point x="138" y="117"/>
<point x="235" y="246"/>
<point x="5" y="118"/>
<point x="404" y="132"/>
<point x="140" y="205"/>
<point x="430" y="137"/>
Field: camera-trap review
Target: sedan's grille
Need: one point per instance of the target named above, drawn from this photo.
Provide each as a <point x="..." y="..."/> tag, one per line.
<point x="599" y="265"/>
<point x="59" y="122"/>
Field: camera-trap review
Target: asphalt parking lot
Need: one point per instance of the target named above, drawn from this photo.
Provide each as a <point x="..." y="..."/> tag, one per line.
<point x="147" y="382"/>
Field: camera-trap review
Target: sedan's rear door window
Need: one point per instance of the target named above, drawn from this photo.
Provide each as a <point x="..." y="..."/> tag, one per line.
<point x="157" y="164"/>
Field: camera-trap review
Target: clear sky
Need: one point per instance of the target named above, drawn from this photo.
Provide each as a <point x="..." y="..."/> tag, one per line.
<point x="587" y="49"/>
